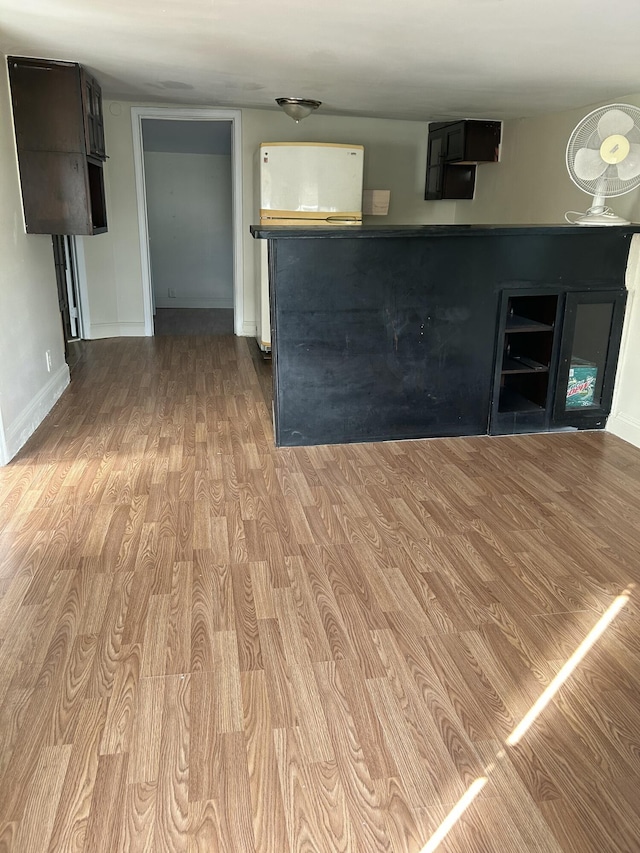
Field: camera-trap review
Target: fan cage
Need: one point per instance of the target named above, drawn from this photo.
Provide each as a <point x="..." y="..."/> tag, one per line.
<point x="585" y="135"/>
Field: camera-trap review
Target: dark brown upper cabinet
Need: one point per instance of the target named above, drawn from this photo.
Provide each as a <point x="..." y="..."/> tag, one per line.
<point x="57" y="112"/>
<point x="454" y="150"/>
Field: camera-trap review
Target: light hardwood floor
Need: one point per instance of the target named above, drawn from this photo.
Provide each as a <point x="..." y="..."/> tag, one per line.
<point x="209" y="644"/>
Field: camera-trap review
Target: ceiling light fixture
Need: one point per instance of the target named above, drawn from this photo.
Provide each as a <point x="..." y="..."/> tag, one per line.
<point x="298" y="108"/>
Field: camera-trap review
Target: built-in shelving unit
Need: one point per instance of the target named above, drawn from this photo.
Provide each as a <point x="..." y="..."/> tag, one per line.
<point x="527" y="351"/>
<point x="555" y="359"/>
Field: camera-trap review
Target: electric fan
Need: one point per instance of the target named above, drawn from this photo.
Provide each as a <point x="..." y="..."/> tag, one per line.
<point x="603" y="159"/>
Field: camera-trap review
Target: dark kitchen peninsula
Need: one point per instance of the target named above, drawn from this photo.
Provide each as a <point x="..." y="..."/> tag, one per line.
<point x="396" y="332"/>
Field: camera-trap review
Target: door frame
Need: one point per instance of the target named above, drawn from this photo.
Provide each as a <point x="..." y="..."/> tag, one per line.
<point x="73" y="277"/>
<point x="190" y="114"/>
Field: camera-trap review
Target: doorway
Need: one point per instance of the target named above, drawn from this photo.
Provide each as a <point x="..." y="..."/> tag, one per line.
<point x="69" y="264"/>
<point x="188" y="184"/>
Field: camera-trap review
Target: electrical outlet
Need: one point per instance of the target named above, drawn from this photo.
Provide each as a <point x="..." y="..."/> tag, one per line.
<point x="48" y="357"/>
<point x="172" y="293"/>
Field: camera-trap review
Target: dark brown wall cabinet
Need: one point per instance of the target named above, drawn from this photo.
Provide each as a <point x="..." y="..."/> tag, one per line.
<point x="57" y="110"/>
<point x="453" y="152"/>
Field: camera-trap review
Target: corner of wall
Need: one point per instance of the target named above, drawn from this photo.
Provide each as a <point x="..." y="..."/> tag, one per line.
<point x="632" y="272"/>
<point x="625" y="426"/>
<point x="33" y="414"/>
<point x="624" y="420"/>
<point x="4" y="454"/>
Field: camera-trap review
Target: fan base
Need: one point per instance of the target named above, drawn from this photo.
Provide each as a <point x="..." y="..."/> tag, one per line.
<point x="601" y="219"/>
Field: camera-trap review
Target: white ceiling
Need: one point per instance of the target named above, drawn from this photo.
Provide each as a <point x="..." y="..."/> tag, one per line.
<point x="413" y="59"/>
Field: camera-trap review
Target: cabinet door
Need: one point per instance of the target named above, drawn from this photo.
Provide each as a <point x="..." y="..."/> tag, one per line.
<point x="55" y="192"/>
<point x="455" y="142"/>
<point x="94" y="122"/>
<point x="47" y="106"/>
<point x="445" y="181"/>
<point x="435" y="171"/>
<point x="588" y="357"/>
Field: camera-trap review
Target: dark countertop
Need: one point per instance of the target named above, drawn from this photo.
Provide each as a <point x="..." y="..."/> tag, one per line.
<point x="270" y="232"/>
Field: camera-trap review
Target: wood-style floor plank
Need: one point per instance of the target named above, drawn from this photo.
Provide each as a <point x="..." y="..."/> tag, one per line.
<point x="210" y="644"/>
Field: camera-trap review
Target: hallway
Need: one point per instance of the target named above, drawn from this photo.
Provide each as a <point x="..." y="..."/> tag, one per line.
<point x="211" y="644"/>
<point x="193" y="321"/>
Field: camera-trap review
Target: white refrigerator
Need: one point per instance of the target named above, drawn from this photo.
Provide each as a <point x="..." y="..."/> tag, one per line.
<point x="306" y="184"/>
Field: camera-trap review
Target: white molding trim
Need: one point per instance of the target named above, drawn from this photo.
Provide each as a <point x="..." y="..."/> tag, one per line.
<point x="625" y="427"/>
<point x="32" y="416"/>
<point x="4" y="453"/>
<point x="238" y="243"/>
<point x="632" y="272"/>
<point x="248" y="330"/>
<point x="116" y="330"/>
<point x="620" y="423"/>
<point x="190" y="114"/>
<point x="84" y="301"/>
<point x="625" y="345"/>
<point x="194" y="302"/>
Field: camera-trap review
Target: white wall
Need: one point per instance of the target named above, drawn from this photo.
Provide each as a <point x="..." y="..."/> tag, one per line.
<point x="190" y="229"/>
<point x="30" y="321"/>
<point x="114" y="277"/>
<point x="625" y="414"/>
<point x="395" y="159"/>
<point x="531" y="185"/>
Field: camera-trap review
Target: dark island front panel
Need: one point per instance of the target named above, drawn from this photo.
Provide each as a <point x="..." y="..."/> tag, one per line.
<point x="377" y="339"/>
<point x="395" y="337"/>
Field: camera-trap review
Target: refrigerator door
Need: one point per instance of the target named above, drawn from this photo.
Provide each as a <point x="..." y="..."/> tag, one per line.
<point x="306" y="179"/>
<point x="304" y="183"/>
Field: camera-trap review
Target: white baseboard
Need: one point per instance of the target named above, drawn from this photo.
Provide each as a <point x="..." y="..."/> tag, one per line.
<point x="137" y="330"/>
<point x="35" y="412"/>
<point x="4" y="453"/>
<point x="116" y="330"/>
<point x="194" y="302"/>
<point x="626" y="427"/>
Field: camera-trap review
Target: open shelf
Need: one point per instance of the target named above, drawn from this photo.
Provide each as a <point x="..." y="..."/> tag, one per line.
<point x="513" y="401"/>
<point x="97" y="199"/>
<point x="522" y="364"/>
<point x="516" y="323"/>
<point x="524" y="359"/>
